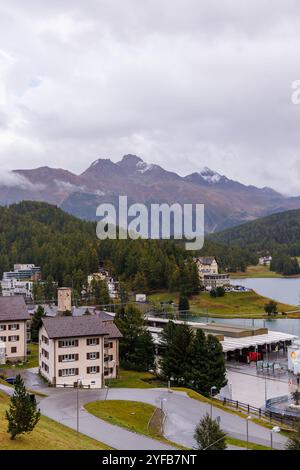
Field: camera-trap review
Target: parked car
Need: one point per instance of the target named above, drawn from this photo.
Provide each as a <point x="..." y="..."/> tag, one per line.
<point x="11" y="380"/>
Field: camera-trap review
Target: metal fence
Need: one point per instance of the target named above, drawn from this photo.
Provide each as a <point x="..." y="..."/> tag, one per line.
<point x="270" y="412"/>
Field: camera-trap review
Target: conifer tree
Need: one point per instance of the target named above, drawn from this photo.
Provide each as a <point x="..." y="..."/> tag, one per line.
<point x="209" y="435"/>
<point x="216" y="375"/>
<point x="23" y="414"/>
<point x="167" y="338"/>
<point x="199" y="366"/>
<point x="36" y="323"/>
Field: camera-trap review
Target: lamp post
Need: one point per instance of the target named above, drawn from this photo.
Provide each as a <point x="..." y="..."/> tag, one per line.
<point x="247" y="430"/>
<point x="276" y="429"/>
<point x="162" y="413"/>
<point x="211" y="400"/>
<point x="77" y="408"/>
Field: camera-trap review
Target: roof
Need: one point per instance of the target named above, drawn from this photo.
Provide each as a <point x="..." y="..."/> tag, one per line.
<point x="13" y="308"/>
<point x="105" y="316"/>
<point x="206" y="259"/>
<point x="87" y="325"/>
<point x="231" y="344"/>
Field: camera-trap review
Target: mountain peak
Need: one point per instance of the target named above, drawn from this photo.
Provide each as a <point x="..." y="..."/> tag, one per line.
<point x="130" y="160"/>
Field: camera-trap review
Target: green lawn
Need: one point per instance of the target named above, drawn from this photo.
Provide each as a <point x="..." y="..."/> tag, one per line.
<point x="132" y="415"/>
<point x="255" y="271"/>
<point x="134" y="379"/>
<point x="48" y="435"/>
<point x="232" y="304"/>
<point x="32" y="359"/>
<point x="251" y="445"/>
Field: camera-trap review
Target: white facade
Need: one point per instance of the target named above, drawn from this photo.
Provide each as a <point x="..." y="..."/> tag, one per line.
<point x="265" y="260"/>
<point x="140" y="298"/>
<point x="2" y="352"/>
<point x="206" y="265"/>
<point x="112" y="285"/>
<point x="10" y="287"/>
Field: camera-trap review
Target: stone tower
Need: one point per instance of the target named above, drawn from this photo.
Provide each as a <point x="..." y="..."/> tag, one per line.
<point x="64" y="302"/>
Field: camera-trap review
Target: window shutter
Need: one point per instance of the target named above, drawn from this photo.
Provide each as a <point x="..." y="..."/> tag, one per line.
<point x="18" y="326"/>
<point x="76" y="357"/>
<point x="98" y="355"/>
<point x="87" y="355"/>
<point x="9" y="338"/>
<point x="87" y="370"/>
<point x="60" y="343"/>
<point x="76" y="342"/>
<point x="76" y="371"/>
<point x="60" y="373"/>
<point x="9" y="327"/>
<point x="98" y="369"/>
<point x="59" y="358"/>
<point x="18" y="338"/>
<point x="97" y="341"/>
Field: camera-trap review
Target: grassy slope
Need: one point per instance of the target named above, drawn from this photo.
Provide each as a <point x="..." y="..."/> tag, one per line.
<point x="134" y="379"/>
<point x="33" y="359"/>
<point x="233" y="304"/>
<point x="48" y="435"/>
<point x="132" y="415"/>
<point x="256" y="271"/>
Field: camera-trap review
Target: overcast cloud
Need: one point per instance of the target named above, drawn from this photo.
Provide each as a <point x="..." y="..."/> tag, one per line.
<point x="182" y="83"/>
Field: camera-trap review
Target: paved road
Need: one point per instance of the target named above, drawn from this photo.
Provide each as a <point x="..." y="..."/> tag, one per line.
<point x="62" y="407"/>
<point x="183" y="414"/>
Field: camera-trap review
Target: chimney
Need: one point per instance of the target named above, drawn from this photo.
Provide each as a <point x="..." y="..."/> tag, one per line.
<point x="64" y="299"/>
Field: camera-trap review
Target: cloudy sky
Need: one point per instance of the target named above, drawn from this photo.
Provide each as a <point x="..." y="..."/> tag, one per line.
<point x="182" y="83"/>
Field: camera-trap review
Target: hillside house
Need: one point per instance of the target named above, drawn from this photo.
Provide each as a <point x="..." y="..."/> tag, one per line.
<point x="14" y="320"/>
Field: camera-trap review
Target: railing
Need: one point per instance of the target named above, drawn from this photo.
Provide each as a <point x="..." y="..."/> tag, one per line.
<point x="267" y="412"/>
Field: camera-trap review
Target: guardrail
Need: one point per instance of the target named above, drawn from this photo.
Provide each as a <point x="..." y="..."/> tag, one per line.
<point x="269" y="412"/>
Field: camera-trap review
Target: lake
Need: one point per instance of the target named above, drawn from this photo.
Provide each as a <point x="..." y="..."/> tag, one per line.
<point x="279" y="289"/>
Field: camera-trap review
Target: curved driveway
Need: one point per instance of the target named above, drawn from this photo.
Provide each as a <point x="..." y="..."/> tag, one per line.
<point x="183" y="414"/>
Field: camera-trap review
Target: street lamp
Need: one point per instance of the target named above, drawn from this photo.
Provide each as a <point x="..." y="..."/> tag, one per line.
<point x="247" y="429"/>
<point x="276" y="429"/>
<point x="212" y="389"/>
<point x="162" y="413"/>
<point x="77" y="409"/>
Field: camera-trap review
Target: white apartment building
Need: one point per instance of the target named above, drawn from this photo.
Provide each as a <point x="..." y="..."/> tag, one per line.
<point x="75" y="350"/>
<point x="10" y="287"/>
<point x="14" y="318"/>
<point x="208" y="272"/>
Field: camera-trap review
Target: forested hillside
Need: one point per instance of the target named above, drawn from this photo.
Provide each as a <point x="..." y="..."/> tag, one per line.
<point x="278" y="234"/>
<point x="67" y="250"/>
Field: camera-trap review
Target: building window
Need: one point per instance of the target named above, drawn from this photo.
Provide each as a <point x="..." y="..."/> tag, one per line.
<point x="68" y="357"/>
<point x="13" y="338"/>
<point x="108" y="371"/>
<point x="93" y="355"/>
<point x="3" y="338"/>
<point x="13" y="326"/>
<point x="13" y="350"/>
<point x="108" y="345"/>
<point x="2" y="327"/>
<point x="92" y="341"/>
<point x="93" y="370"/>
<point x="68" y="343"/>
<point x="45" y="367"/>
<point x="68" y="372"/>
<point x="45" y="353"/>
<point x="45" y="339"/>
